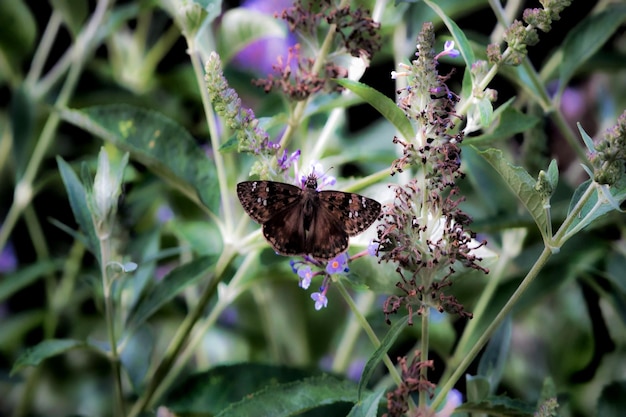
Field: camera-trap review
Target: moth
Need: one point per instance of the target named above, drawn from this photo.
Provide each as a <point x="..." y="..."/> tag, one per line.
<point x="305" y="221"/>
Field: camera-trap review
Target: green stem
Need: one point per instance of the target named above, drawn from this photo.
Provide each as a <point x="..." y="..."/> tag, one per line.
<point x="345" y="347"/>
<point x="235" y="287"/>
<point x="484" y="338"/>
<point x="393" y="372"/>
<point x="559" y="240"/>
<point x="182" y="335"/>
<point x="109" y="310"/>
<point x="43" y="49"/>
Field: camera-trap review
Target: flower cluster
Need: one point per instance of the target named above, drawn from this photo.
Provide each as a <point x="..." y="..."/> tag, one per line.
<point x="337" y="265"/>
<point x="609" y="154"/>
<point x="299" y="74"/>
<point x="518" y="36"/>
<point x="250" y="137"/>
<point x="423" y="230"/>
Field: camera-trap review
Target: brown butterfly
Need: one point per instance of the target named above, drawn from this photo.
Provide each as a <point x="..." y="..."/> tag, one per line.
<point x="305" y="221"/>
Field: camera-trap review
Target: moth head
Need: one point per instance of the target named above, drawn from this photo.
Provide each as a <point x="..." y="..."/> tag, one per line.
<point x="318" y="179"/>
<point x="311" y="181"/>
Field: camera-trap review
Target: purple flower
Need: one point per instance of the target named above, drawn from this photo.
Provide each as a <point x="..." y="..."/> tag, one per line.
<point x="261" y="54"/>
<point x="448" y="50"/>
<point x="372" y="248"/>
<point x="305" y="275"/>
<point x="320" y="299"/>
<point x="453" y="400"/>
<point x="8" y="260"/>
<point x="164" y="213"/>
<point x="338" y="264"/>
<point x="286" y="161"/>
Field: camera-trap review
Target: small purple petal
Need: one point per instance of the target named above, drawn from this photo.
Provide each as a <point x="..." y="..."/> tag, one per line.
<point x="8" y="260"/>
<point x="337" y="264"/>
<point x="372" y="248"/>
<point x="320" y="300"/>
<point x="305" y="275"/>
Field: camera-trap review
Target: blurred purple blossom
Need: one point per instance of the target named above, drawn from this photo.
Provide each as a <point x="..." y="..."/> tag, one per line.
<point x="260" y="55"/>
<point x="8" y="260"/>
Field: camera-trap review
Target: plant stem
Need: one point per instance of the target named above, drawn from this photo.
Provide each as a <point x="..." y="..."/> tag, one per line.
<point x="368" y="330"/>
<point x="182" y="336"/>
<point x="559" y="239"/>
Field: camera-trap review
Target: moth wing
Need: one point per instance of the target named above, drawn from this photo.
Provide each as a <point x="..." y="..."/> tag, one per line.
<point x="263" y="200"/>
<point x="285" y="231"/>
<point x="326" y="237"/>
<point x="356" y="212"/>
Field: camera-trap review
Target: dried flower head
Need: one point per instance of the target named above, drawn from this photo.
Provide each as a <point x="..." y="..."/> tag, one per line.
<point x="413" y="380"/>
<point x="423" y="230"/>
<point x="300" y="75"/>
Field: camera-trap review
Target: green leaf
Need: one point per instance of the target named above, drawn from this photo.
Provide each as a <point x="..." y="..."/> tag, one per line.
<point x="74" y="14"/>
<point x="22" y="123"/>
<point x="212" y="391"/>
<point x="44" y="350"/>
<point x="478" y="387"/>
<point x="553" y="174"/>
<point x="511" y="123"/>
<point x="145" y="249"/>
<point x="587" y="38"/>
<point x="590" y="212"/>
<point x="522" y="185"/>
<point x="78" y="202"/>
<point x="172" y="284"/>
<point x="137" y="355"/>
<point x="499" y="406"/>
<point x="240" y="27"/>
<point x="588" y="140"/>
<point x="385" y="106"/>
<point x="204" y="237"/>
<point x="368" y="406"/>
<point x="378" y="355"/>
<point x="293" y="398"/>
<point x="18" y="325"/>
<point x="485" y="110"/>
<point x="230" y="145"/>
<point x="23" y="277"/>
<point x="612" y="401"/>
<point x="489" y="195"/>
<point x="19" y="30"/>
<point x="157" y="142"/>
